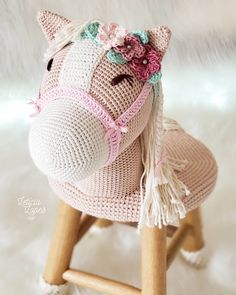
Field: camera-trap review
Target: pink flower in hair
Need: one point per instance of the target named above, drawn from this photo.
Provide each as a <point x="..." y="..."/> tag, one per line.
<point x="147" y="65"/>
<point x="132" y="47"/>
<point x="111" y="35"/>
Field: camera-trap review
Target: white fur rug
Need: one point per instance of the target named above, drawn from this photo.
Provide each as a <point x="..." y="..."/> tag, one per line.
<point x="199" y="84"/>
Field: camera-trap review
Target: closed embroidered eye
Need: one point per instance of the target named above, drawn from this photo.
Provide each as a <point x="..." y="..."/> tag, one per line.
<point x="118" y="79"/>
<point x="69" y="43"/>
<point x="49" y="66"/>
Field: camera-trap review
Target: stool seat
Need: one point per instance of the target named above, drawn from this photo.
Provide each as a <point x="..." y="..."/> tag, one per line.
<point x="199" y="175"/>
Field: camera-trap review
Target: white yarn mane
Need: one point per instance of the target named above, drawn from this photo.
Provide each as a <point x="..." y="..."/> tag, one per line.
<point x="161" y="193"/>
<point x="68" y="33"/>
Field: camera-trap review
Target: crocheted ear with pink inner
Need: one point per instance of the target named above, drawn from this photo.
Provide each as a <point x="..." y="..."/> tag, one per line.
<point x="51" y="23"/>
<point x="159" y="38"/>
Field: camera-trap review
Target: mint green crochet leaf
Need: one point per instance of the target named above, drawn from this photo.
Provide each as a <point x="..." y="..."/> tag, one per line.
<point x="142" y="35"/>
<point x="154" y="78"/>
<point x="83" y="35"/>
<point x="115" y="57"/>
<point x="90" y="31"/>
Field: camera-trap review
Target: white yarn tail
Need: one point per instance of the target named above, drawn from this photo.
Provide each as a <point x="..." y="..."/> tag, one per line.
<point x="196" y="259"/>
<point x="53" y="289"/>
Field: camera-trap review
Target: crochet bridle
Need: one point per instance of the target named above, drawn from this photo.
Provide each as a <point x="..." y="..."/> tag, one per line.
<point x="95" y="31"/>
<point x="113" y="127"/>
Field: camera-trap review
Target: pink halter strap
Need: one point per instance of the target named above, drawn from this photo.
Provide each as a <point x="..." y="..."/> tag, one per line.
<point x="114" y="128"/>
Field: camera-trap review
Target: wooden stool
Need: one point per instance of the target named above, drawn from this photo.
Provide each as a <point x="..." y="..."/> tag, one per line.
<point x="156" y="257"/>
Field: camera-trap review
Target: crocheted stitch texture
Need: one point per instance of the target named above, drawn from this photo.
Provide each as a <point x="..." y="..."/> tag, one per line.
<point x="113" y="192"/>
<point x="72" y="142"/>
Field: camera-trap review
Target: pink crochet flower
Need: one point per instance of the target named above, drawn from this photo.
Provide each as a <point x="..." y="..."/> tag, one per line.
<point x="147" y="65"/>
<point x="132" y="48"/>
<point x="111" y="35"/>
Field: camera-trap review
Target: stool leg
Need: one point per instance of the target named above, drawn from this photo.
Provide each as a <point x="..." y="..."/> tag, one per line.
<point x="153" y="261"/>
<point x="194" y="240"/>
<point x="103" y="223"/>
<point x="193" y="246"/>
<point x="63" y="241"/>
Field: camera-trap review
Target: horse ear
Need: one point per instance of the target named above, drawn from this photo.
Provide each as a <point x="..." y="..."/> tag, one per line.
<point x="51" y="23"/>
<point x="159" y="38"/>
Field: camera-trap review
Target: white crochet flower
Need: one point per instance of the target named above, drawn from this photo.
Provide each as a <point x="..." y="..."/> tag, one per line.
<point x="111" y="35"/>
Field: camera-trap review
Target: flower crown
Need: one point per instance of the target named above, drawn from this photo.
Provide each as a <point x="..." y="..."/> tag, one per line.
<point x="132" y="49"/>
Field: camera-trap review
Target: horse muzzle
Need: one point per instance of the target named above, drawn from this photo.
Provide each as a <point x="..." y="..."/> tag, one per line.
<point x="67" y="142"/>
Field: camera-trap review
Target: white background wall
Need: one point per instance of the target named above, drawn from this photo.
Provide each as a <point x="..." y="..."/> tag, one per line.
<point x="199" y="84"/>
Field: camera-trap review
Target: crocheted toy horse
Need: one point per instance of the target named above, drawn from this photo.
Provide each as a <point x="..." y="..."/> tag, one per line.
<point x="99" y="134"/>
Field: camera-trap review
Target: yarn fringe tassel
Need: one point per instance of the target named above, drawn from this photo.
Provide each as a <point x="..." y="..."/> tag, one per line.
<point x="162" y="201"/>
<point x="161" y="190"/>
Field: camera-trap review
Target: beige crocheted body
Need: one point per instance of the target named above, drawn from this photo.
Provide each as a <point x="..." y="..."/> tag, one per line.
<point x="113" y="192"/>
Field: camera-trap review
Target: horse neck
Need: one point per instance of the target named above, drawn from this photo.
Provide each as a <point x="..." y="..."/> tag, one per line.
<point x="120" y="178"/>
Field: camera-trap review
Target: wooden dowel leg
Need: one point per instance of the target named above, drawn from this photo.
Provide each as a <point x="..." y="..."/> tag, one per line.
<point x="176" y="242"/>
<point x="153" y="261"/>
<point x="98" y="283"/>
<point x="194" y="240"/>
<point x="85" y="224"/>
<point x="63" y="241"/>
<point x="103" y="223"/>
